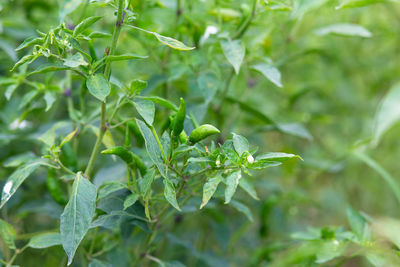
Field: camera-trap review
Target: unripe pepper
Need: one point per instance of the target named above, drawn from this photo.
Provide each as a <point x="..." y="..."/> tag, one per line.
<point x="202" y="132"/>
<point x="183" y="137"/>
<point x="54" y="188"/>
<point x="179" y="119"/>
<point x="131" y="159"/>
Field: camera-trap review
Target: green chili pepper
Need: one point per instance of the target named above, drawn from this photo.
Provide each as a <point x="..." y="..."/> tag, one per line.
<point x="136" y="132"/>
<point x="166" y="124"/>
<point x="131" y="159"/>
<point x="202" y="132"/>
<point x="127" y="140"/>
<point x="179" y="119"/>
<point x="183" y="137"/>
<point x="54" y="188"/>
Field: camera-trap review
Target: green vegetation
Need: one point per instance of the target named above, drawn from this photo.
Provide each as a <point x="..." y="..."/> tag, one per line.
<point x="146" y="133"/>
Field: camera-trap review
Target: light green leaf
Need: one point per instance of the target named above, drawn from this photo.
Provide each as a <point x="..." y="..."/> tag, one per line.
<point x="110" y="187"/>
<point x="270" y="72"/>
<point x="77" y="216"/>
<point x="160" y="101"/>
<point x="388" y="113"/>
<point x="234" y="52"/>
<point x="17" y="160"/>
<point x="344" y="29"/>
<point x="232" y="181"/>
<point x="7" y="233"/>
<point x="240" y="143"/>
<point x="358" y="224"/>
<point x="98" y="86"/>
<point x="248" y="187"/>
<point x="28" y="42"/>
<point x="208" y="84"/>
<point x="122" y="57"/>
<point x="170" y="194"/>
<point x="86" y="23"/>
<point x="209" y="189"/>
<point x="152" y="146"/>
<point x="130" y="200"/>
<point x="96" y="34"/>
<point x="45" y="240"/>
<point x="50" y="98"/>
<point x="146" y="182"/>
<point x="243" y="209"/>
<point x="75" y="60"/>
<point x="10" y="90"/>
<point x="27" y="98"/>
<point x="277" y="157"/>
<point x="137" y="86"/>
<point x="17" y="178"/>
<point x="146" y="109"/>
<point x="49" y="67"/>
<point x="175" y="44"/>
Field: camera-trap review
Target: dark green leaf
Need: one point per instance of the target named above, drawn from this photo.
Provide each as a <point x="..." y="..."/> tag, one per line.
<point x="170" y="194"/>
<point x="209" y="189"/>
<point x="232" y="181"/>
<point x="98" y="86"/>
<point x="85" y="24"/>
<point x="146" y="109"/>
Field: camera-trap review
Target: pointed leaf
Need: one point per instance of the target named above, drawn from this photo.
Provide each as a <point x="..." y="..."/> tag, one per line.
<point x="7" y="234"/>
<point x="85" y="24"/>
<point x="49" y="67"/>
<point x="243" y="209"/>
<point x="170" y="194"/>
<point x="232" y="181"/>
<point x="248" y="187"/>
<point x="146" y="182"/>
<point x="240" y="143"/>
<point x="122" y="57"/>
<point x="17" y="178"/>
<point x="75" y="60"/>
<point x="209" y="189"/>
<point x="270" y="72"/>
<point x="130" y="200"/>
<point x="98" y="86"/>
<point x="344" y="29"/>
<point x="45" y="240"/>
<point x="77" y="216"/>
<point x="175" y="44"/>
<point x="234" y="52"/>
<point x="146" y="109"/>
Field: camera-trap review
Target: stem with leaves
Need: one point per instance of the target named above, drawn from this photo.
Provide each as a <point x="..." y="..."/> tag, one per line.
<point x="107" y="72"/>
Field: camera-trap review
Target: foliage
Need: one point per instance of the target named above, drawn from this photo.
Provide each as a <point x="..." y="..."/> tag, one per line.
<point x="136" y="133"/>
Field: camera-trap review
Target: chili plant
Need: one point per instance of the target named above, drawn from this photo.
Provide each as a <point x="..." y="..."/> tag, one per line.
<point x="168" y="158"/>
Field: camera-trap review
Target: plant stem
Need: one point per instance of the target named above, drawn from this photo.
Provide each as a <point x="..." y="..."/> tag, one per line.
<point x="107" y="72"/>
<point x="159" y="143"/>
<point x="246" y="23"/>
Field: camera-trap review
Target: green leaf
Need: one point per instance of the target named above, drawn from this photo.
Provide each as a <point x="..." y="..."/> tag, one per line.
<point x="122" y="57"/>
<point x="230" y="153"/>
<point x="137" y="86"/>
<point x="85" y="24"/>
<point x="152" y="146"/>
<point x="234" y="52"/>
<point x="98" y="86"/>
<point x="50" y="98"/>
<point x="10" y="90"/>
<point x="277" y="157"/>
<point x="110" y="187"/>
<point x="17" y="160"/>
<point x="28" y="42"/>
<point x="232" y="181"/>
<point x="270" y="72"/>
<point x="248" y="187"/>
<point x="75" y="60"/>
<point x="77" y="216"/>
<point x="175" y="44"/>
<point x="388" y="113"/>
<point x="146" y="182"/>
<point x="358" y="224"/>
<point x="360" y="3"/>
<point x="95" y="34"/>
<point x="243" y="209"/>
<point x="7" y="233"/>
<point x="130" y="200"/>
<point x="344" y="29"/>
<point x="45" y="240"/>
<point x="209" y="189"/>
<point x="240" y="143"/>
<point x="260" y="165"/>
<point x="49" y="67"/>
<point x="146" y="109"/>
<point x="160" y="101"/>
<point x="22" y="61"/>
<point x="17" y="178"/>
<point x="27" y="98"/>
<point x="208" y="84"/>
<point x="170" y="194"/>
